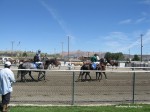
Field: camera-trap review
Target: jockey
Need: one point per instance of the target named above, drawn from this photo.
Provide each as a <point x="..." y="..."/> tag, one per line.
<point x="37" y="59"/>
<point x="97" y="57"/>
<point x="94" y="60"/>
<point x="39" y="54"/>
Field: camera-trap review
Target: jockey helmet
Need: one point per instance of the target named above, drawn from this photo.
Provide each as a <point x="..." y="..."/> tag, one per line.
<point x="39" y="51"/>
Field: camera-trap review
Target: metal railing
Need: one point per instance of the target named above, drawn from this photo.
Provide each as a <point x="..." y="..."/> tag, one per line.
<point x="61" y="87"/>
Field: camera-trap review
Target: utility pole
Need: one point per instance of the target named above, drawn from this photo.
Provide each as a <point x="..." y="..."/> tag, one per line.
<point x="12" y="46"/>
<point x="62" y="50"/>
<point x="54" y="52"/>
<point x="141" y="46"/>
<point x="129" y="54"/>
<point x="68" y="48"/>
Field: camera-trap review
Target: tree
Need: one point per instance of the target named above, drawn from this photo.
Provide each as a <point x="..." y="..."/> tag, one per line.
<point x="24" y="54"/>
<point x="119" y="56"/>
<point x="108" y="55"/>
<point x="136" y="58"/>
<point x="114" y="56"/>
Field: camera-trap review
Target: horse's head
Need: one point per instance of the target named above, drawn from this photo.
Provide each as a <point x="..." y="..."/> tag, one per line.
<point x="103" y="61"/>
<point x="112" y="62"/>
<point x="51" y="61"/>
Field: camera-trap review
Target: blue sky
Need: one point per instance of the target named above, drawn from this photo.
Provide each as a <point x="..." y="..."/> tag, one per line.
<point x="92" y="25"/>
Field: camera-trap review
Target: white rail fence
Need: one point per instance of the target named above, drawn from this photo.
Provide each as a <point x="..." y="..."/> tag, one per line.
<point x="124" y="85"/>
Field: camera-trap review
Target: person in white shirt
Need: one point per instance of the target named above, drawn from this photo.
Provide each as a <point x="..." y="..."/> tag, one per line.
<point x="6" y="80"/>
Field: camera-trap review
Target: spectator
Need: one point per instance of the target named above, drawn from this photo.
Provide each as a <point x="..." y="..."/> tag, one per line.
<point x="6" y="80"/>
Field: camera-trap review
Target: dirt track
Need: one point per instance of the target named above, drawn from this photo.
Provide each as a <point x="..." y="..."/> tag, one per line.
<point x="57" y="89"/>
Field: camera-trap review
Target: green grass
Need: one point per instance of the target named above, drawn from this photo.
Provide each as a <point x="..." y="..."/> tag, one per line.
<point x="114" y="108"/>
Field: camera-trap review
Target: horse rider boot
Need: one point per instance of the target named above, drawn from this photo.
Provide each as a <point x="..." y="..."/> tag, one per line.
<point x="5" y="108"/>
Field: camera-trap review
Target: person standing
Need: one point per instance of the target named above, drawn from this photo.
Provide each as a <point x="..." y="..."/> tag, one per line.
<point x="6" y="80"/>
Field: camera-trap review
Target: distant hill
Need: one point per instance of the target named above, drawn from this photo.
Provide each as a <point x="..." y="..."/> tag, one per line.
<point x="76" y="54"/>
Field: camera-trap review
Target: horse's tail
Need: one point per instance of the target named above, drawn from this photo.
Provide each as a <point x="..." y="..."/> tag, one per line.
<point x="19" y="72"/>
<point x="80" y="73"/>
<point x="81" y="69"/>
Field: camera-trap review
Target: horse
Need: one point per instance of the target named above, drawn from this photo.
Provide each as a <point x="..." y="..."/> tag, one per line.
<point x="102" y="67"/>
<point x="88" y="66"/>
<point x="113" y="63"/>
<point x="20" y="61"/>
<point x="31" y="65"/>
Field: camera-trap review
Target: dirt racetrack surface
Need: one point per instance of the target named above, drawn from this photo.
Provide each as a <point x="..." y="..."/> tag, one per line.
<point x="58" y="89"/>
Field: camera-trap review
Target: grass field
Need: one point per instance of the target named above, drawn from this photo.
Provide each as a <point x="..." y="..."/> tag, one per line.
<point x="112" y="108"/>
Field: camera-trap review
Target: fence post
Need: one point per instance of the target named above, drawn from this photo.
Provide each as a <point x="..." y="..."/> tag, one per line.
<point x="73" y="84"/>
<point x="133" y="85"/>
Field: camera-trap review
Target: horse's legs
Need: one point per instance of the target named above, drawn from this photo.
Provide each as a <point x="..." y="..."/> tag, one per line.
<point x="82" y="74"/>
<point x="98" y="75"/>
<point x="79" y="76"/>
<point x="18" y="73"/>
<point x="88" y="74"/>
<point x="105" y="75"/>
<point x="23" y="73"/>
<point x="59" y="67"/>
<point x="43" y="75"/>
<point x="31" y="76"/>
<point x="39" y="76"/>
<point x="22" y="76"/>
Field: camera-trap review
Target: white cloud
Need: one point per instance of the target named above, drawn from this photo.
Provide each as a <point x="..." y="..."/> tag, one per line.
<point x="145" y="14"/>
<point x="58" y="19"/>
<point x="122" y="42"/>
<point x="140" y="20"/>
<point x="127" y="21"/>
<point x="117" y="35"/>
<point x="115" y="41"/>
<point x="146" y="37"/>
<point x="147" y="2"/>
<point x="134" y="43"/>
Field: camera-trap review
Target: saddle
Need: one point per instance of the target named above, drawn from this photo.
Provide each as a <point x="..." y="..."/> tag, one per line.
<point x="94" y="66"/>
<point x="36" y="65"/>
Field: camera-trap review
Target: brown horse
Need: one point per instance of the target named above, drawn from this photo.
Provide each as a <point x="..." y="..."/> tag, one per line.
<point x="100" y="67"/>
<point x="30" y="65"/>
<point x="113" y="63"/>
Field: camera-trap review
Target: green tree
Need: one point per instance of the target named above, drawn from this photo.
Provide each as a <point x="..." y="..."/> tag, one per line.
<point x="24" y="54"/>
<point x="119" y="56"/>
<point x="108" y="55"/>
<point x="114" y="56"/>
<point x="136" y="58"/>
